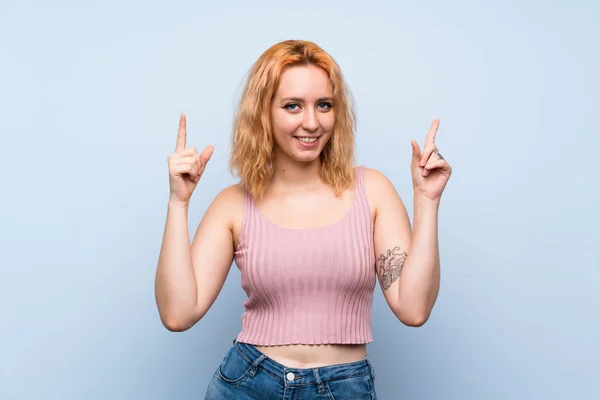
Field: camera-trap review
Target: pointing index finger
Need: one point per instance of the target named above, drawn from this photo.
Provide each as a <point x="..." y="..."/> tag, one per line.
<point x="181" y="134"/>
<point x="429" y="142"/>
<point x="432" y="131"/>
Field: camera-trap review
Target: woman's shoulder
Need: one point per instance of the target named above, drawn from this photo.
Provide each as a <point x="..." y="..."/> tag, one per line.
<point x="231" y="192"/>
<point x="378" y="186"/>
<point x="230" y="197"/>
<point x="374" y="179"/>
<point x="228" y="204"/>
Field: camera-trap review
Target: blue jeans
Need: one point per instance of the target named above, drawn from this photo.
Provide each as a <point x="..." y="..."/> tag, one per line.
<point x="247" y="373"/>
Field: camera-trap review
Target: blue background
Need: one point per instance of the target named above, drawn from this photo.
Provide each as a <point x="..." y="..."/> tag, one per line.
<point x="90" y="96"/>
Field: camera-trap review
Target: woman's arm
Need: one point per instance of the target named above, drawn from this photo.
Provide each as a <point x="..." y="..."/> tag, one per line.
<point x="408" y="264"/>
<point x="190" y="277"/>
<point x="420" y="283"/>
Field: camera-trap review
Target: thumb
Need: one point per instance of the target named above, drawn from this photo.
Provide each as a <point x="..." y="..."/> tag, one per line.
<point x="416" y="153"/>
<point x="206" y="154"/>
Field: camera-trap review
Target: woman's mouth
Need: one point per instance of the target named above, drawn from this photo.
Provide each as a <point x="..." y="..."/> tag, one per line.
<point x="307" y="141"/>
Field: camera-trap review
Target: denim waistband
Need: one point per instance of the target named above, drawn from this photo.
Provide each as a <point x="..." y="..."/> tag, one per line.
<point x="303" y="376"/>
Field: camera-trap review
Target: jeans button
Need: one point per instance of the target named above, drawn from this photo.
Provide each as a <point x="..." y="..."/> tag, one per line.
<point x="290" y="376"/>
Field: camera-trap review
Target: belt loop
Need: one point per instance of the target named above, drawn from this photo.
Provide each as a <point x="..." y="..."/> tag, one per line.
<point x="254" y="366"/>
<point x="371" y="369"/>
<point x="320" y="384"/>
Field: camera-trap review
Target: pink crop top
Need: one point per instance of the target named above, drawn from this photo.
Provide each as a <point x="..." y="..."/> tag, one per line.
<point x="307" y="286"/>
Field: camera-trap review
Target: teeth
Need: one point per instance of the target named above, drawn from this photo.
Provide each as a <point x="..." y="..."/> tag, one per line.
<point x="307" y="140"/>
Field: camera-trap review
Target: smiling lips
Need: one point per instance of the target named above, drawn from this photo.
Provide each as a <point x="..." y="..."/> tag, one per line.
<point x="307" y="141"/>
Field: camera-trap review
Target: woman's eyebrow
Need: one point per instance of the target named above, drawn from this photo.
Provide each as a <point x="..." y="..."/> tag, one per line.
<point x="299" y="100"/>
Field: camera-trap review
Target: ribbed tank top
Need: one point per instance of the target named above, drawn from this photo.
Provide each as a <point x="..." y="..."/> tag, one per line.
<point x="307" y="286"/>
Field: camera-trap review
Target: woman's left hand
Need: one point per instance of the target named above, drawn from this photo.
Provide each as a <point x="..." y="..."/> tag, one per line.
<point x="430" y="171"/>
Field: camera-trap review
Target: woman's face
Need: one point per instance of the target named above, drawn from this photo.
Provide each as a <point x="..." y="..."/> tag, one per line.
<point x="302" y="113"/>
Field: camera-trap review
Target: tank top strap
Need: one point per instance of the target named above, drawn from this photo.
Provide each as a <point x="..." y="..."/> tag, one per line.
<point x="248" y="214"/>
<point x="248" y="201"/>
<point x="360" y="182"/>
<point x="362" y="209"/>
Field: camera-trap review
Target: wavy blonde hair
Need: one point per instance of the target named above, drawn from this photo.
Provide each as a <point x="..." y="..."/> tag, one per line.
<point x="252" y="142"/>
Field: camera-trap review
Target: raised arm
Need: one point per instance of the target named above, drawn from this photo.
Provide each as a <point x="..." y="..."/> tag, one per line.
<point x="190" y="277"/>
<point x="408" y="262"/>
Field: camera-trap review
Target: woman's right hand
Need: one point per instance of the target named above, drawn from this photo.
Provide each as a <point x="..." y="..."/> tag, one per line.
<point x="186" y="166"/>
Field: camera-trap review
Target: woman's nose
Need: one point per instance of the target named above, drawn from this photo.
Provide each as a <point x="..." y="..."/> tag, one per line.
<point x="310" y="122"/>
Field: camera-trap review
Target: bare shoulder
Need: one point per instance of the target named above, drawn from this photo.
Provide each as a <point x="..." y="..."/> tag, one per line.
<point x="229" y="203"/>
<point x="230" y="196"/>
<point x="376" y="180"/>
<point x="379" y="188"/>
<point x="228" y="207"/>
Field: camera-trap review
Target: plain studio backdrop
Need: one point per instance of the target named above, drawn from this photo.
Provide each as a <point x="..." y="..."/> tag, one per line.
<point x="90" y="97"/>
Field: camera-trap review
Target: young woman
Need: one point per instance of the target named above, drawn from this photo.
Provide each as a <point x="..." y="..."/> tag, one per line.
<point x="309" y="232"/>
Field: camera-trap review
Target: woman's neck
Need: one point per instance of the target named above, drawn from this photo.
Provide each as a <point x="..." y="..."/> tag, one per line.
<point x="292" y="175"/>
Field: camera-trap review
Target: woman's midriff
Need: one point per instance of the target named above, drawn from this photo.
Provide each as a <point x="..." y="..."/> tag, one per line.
<point x="314" y="356"/>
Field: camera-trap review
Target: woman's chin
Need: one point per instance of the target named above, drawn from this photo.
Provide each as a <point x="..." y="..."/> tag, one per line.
<point x="300" y="155"/>
<point x="306" y="156"/>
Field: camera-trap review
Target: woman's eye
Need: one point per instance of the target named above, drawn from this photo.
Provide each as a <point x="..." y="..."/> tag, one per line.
<point x="291" y="107"/>
<point x="324" y="105"/>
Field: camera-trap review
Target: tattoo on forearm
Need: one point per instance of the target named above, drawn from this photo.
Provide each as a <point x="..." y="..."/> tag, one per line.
<point x="391" y="266"/>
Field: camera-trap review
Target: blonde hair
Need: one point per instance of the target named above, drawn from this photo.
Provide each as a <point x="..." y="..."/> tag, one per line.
<point x="252" y="154"/>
